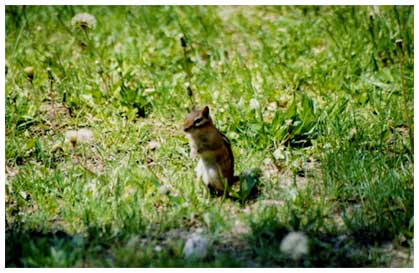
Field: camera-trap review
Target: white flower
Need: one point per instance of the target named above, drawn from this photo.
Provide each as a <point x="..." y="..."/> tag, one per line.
<point x="272" y="106"/>
<point x="279" y="153"/>
<point x="254" y="104"/>
<point x="196" y="247"/>
<point x="295" y="244"/>
<point x="84" y="20"/>
<point x="152" y="145"/>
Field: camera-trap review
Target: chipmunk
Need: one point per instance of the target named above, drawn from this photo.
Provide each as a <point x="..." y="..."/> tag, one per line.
<point x="216" y="161"/>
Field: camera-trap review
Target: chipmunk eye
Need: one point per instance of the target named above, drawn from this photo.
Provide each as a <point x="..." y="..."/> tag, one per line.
<point x="197" y="120"/>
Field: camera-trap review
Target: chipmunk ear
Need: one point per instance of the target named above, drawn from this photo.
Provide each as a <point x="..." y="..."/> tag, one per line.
<point x="205" y="112"/>
<point x="193" y="107"/>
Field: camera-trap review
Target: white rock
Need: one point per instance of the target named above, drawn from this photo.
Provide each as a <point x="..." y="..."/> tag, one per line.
<point x="158" y="248"/>
<point x="295" y="244"/>
<point x="196" y="247"/>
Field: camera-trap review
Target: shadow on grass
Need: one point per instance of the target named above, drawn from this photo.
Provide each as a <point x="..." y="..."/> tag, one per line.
<point x="28" y="247"/>
<point x="259" y="248"/>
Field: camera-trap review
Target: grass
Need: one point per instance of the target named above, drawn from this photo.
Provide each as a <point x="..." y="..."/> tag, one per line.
<point x="320" y="99"/>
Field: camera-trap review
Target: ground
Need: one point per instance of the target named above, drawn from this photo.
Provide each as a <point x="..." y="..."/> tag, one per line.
<point x="319" y="99"/>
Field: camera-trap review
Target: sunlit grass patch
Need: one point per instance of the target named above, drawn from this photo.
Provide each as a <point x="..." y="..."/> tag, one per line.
<point x="318" y="98"/>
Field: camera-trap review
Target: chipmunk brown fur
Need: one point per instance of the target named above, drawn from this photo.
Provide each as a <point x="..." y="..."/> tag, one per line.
<point x="216" y="161"/>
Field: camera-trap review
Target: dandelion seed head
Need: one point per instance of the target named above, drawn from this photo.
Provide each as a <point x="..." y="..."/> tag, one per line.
<point x="163" y="190"/>
<point x="71" y="137"/>
<point x="85" y="135"/>
<point x="152" y="145"/>
<point x="84" y="21"/>
<point x="82" y="135"/>
<point x="254" y="104"/>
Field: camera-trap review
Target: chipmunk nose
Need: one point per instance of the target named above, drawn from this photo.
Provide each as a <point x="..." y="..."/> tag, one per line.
<point x="187" y="128"/>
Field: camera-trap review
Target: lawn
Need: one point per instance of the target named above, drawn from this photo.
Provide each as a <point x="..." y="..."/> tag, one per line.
<point x="319" y="99"/>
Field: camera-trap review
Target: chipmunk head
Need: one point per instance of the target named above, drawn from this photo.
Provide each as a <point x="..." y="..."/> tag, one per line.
<point x="197" y="119"/>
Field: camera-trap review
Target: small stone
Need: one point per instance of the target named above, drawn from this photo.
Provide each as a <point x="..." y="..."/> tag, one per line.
<point x="295" y="245"/>
<point x="158" y="248"/>
<point x="196" y="247"/>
